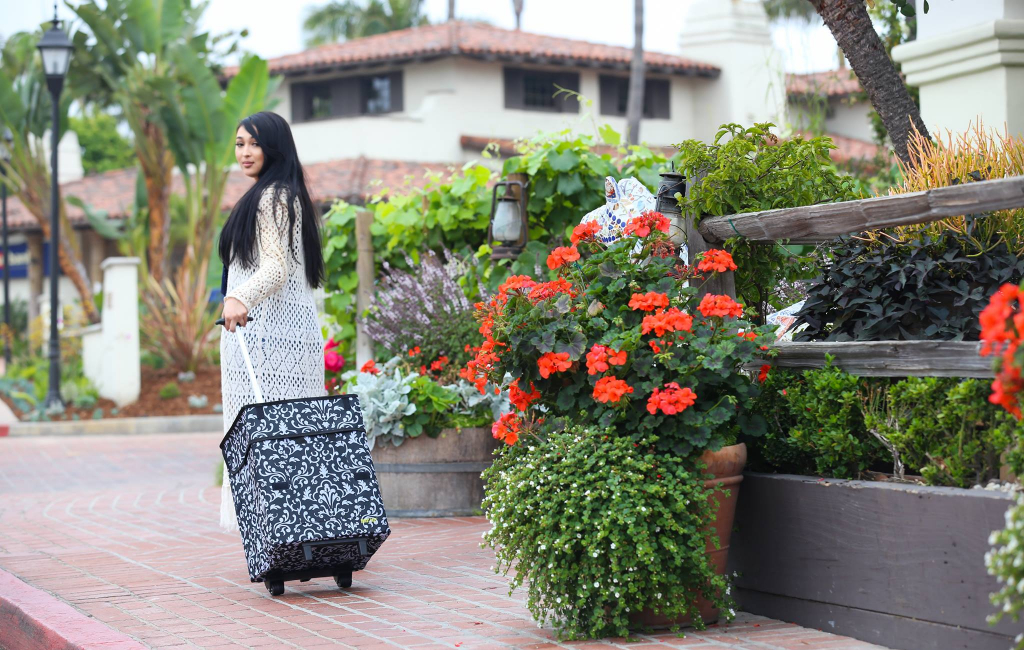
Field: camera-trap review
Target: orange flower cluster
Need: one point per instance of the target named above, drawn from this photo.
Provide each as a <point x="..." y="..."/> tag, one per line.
<point x="610" y="389"/>
<point x="648" y="301"/>
<point x="507" y="428"/>
<point x="370" y="367"/>
<point x="552" y="362"/>
<point x="544" y="290"/>
<point x="716" y="260"/>
<point x="671" y="400"/>
<point x="439" y="365"/>
<point x="561" y="256"/>
<point x="671" y="320"/>
<point x="1002" y="330"/>
<point x="515" y="283"/>
<point x="585" y="232"/>
<point x="750" y="336"/>
<point x="643" y="225"/>
<point x="520" y="398"/>
<point x="763" y="374"/>
<point x="415" y="351"/>
<point x="712" y="305"/>
<point x="601" y="357"/>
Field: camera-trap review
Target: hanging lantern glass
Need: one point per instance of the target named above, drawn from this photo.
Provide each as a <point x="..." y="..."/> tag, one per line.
<point x="509" y="224"/>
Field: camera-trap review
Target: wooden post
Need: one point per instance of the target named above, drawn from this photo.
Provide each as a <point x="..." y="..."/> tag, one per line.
<point x="35" y="275"/>
<point x="718" y="283"/>
<point x="364" y="292"/>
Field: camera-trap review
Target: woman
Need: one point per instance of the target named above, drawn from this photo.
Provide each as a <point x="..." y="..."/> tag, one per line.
<point x="271" y="250"/>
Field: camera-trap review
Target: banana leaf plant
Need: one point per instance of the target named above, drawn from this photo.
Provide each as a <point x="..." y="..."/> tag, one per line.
<point x="125" y="55"/>
<point x="25" y="109"/>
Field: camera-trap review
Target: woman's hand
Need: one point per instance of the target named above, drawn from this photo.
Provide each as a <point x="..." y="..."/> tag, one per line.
<point x="234" y="314"/>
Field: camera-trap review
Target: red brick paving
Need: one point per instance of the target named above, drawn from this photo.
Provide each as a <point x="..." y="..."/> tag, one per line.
<point x="124" y="529"/>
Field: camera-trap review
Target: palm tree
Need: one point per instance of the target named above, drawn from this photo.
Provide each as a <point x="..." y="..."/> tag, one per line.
<point x="342" y="20"/>
<point x="517" y="6"/>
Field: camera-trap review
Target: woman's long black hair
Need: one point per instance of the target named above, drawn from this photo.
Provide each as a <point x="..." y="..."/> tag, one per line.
<point x="283" y="172"/>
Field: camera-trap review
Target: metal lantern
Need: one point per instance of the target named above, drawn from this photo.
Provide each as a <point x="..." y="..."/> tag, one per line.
<point x="509" y="223"/>
<point x="5" y="155"/>
<point x="672" y="183"/>
<point x="55" y="48"/>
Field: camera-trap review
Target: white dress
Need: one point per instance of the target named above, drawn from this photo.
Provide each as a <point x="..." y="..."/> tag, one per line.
<point x="284" y="338"/>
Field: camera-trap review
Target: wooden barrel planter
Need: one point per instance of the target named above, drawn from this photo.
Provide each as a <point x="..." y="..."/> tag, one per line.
<point x="435" y="477"/>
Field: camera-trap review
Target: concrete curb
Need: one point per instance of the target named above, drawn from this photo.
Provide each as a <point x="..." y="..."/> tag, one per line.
<point x="31" y="619"/>
<point x="120" y="426"/>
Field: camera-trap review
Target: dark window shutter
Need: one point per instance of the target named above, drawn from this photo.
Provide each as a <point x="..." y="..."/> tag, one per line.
<point x="300" y="103"/>
<point x="397" y="92"/>
<point x="345" y="97"/>
<point x="656" y="100"/>
<point x="513" y="88"/>
<point x="610" y="87"/>
<point x="569" y="81"/>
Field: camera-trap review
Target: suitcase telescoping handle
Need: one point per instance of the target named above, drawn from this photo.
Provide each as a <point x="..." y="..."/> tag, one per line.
<point x="248" y="362"/>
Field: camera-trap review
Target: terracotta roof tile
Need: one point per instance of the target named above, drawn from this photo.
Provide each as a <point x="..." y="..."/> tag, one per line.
<point x="831" y="83"/>
<point x="353" y="179"/>
<point x="479" y="41"/>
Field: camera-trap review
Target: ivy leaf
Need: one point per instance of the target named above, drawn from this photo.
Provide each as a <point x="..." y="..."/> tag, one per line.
<point x="564" y="161"/>
<point x="752" y="424"/>
<point x="610" y="135"/>
<point x="575" y="346"/>
<point x="569" y="184"/>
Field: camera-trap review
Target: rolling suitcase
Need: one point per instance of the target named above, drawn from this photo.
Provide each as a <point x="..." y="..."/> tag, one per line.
<point x="305" y="491"/>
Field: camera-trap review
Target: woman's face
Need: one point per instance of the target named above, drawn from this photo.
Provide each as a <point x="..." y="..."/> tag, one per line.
<point x="248" y="153"/>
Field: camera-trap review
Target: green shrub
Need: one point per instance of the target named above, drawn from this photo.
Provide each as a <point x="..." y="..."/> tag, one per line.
<point x="599" y="527"/>
<point x="821" y="422"/>
<point x="816" y="424"/>
<point x="170" y="390"/>
<point x="946" y="430"/>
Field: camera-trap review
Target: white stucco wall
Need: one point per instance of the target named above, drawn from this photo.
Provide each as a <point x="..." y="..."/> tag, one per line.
<point x="452" y="97"/>
<point x="946" y="16"/>
<point x="734" y="35"/>
<point x="850" y="119"/>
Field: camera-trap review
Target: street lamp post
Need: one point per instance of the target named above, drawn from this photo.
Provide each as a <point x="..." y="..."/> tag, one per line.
<point x="55" y="49"/>
<point x="6" y="155"/>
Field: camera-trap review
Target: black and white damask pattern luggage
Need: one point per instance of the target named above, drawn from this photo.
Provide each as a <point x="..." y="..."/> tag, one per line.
<point x="305" y="491"/>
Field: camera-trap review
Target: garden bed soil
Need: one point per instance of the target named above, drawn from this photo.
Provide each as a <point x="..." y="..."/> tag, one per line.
<point x="896" y="564"/>
<point x="207" y="382"/>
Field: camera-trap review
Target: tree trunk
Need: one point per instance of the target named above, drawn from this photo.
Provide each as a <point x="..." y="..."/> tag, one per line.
<point x="517" y="6"/>
<point x="158" y="176"/>
<point x="635" y="102"/>
<point x="851" y="26"/>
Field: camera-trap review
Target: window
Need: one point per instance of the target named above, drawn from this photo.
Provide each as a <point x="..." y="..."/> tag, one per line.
<point x="319" y="101"/>
<point x="376" y="94"/>
<point x="615" y="96"/>
<point x="347" y="97"/>
<point x="534" y="90"/>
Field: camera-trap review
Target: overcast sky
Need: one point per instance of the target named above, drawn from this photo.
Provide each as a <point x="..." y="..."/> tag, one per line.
<point x="274" y="31"/>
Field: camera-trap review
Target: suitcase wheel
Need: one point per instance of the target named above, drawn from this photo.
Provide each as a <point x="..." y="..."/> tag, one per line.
<point x="343" y="580"/>
<point x="275" y="587"/>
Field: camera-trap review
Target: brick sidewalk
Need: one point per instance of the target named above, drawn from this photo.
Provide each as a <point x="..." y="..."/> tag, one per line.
<point x="125" y="530"/>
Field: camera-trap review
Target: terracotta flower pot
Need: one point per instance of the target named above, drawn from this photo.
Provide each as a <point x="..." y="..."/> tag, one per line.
<point x="726" y="465"/>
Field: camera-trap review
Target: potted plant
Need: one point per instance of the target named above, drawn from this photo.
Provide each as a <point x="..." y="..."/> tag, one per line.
<point x="620" y="348"/>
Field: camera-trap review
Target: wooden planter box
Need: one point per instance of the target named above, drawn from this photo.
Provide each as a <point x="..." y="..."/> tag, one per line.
<point x="435" y="477"/>
<point x="898" y="565"/>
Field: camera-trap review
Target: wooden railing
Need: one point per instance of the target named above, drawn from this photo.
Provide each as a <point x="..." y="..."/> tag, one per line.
<point x="818" y="223"/>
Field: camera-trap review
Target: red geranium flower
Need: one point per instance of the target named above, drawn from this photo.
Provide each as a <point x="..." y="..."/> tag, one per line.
<point x="520" y="398"/>
<point x="413" y="352"/>
<point x="610" y="389"/>
<point x="617" y="358"/>
<point x="643" y="225"/>
<point x="712" y="305"/>
<point x="331" y="344"/>
<point x="551" y="362"/>
<point x="597" y="360"/>
<point x="671" y="400"/>
<point x="439" y="364"/>
<point x="545" y="290"/>
<point x="763" y="374"/>
<point x="716" y="260"/>
<point x="585" y="231"/>
<point x="507" y="428"/>
<point x="370" y="368"/>
<point x="562" y="256"/>
<point x="516" y="282"/>
<point x="333" y="362"/>
<point x="664" y="321"/>
<point x="648" y="301"/>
